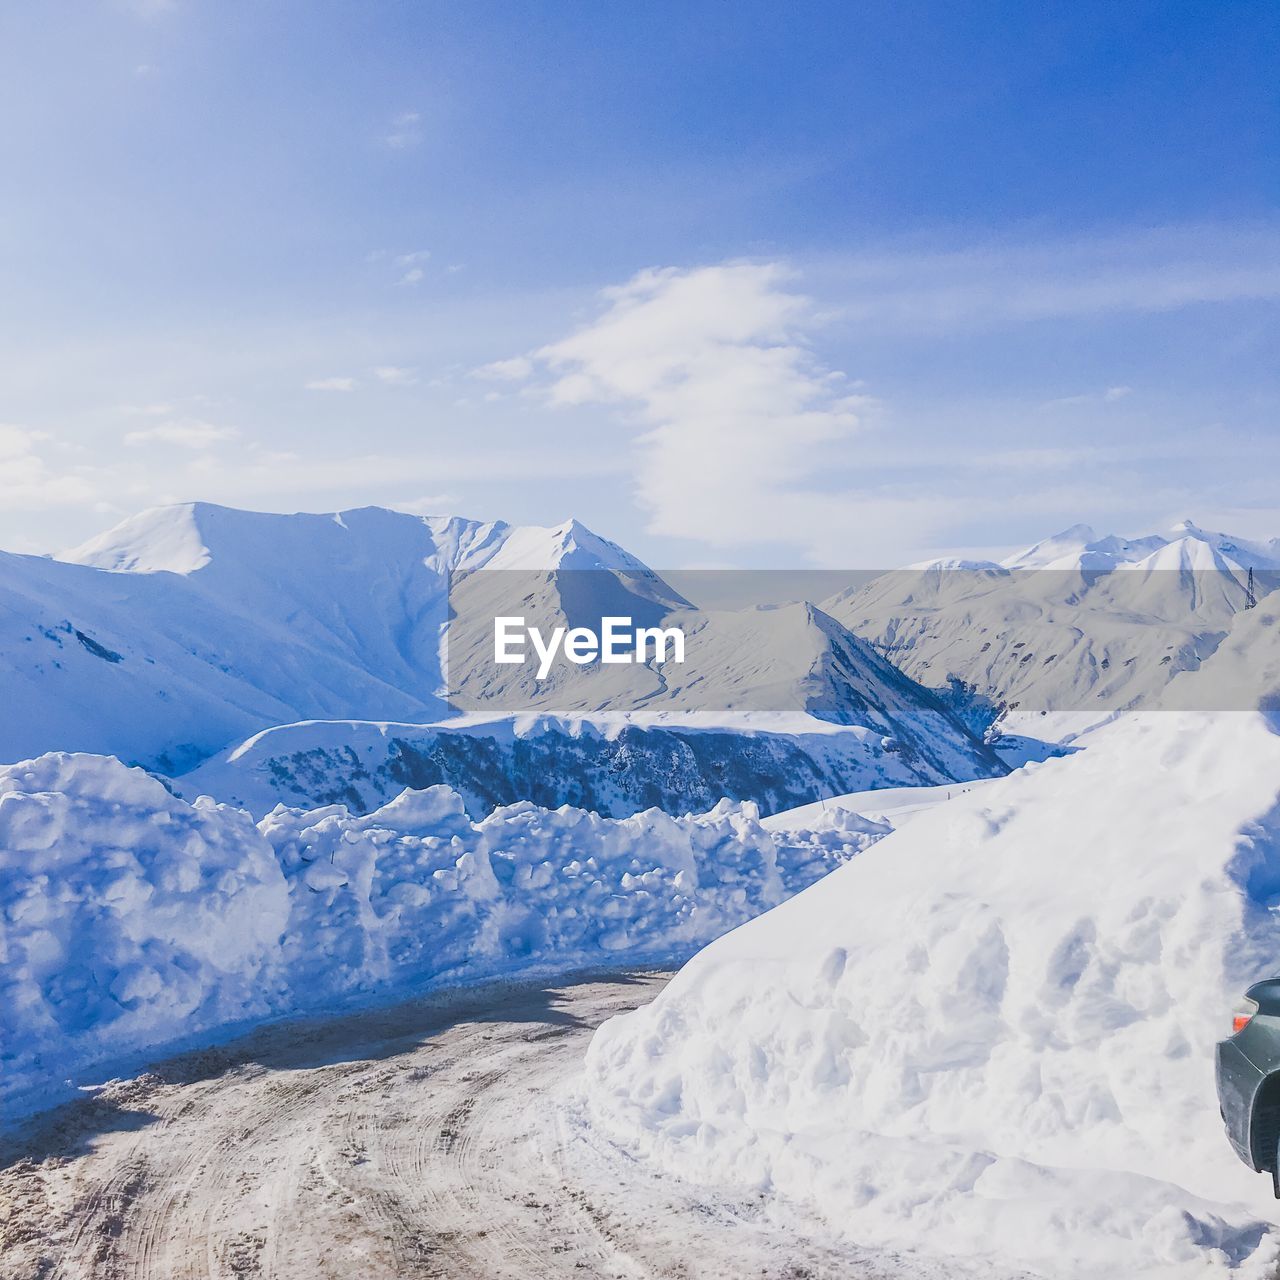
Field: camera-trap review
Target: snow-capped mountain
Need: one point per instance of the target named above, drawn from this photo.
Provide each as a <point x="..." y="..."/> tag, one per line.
<point x="1070" y="630"/>
<point x="190" y="630"/>
<point x="1079" y="547"/>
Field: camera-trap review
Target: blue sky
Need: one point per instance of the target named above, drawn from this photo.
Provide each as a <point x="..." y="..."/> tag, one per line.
<point x="750" y="284"/>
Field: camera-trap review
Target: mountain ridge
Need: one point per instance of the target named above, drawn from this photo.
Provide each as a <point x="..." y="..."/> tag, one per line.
<point x="1071" y="629"/>
<point x="221" y="624"/>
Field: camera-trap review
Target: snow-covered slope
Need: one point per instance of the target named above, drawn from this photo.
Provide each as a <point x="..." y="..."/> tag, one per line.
<point x="615" y="766"/>
<point x="133" y="920"/>
<point x="1246" y="663"/>
<point x="895" y="806"/>
<point x="1062" y="635"/>
<point x="991" y="1036"/>
<point x="190" y="629"/>
<point x="1080" y="546"/>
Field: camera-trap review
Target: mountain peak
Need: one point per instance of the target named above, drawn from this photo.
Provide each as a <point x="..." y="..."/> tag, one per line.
<point x="1049" y="551"/>
<point x="1076" y="533"/>
<point x="187" y="537"/>
<point x="159" y="539"/>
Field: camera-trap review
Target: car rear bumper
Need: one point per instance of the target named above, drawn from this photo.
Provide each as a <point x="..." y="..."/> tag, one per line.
<point x="1239" y="1083"/>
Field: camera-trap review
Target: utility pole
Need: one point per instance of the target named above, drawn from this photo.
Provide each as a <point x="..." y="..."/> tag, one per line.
<point x="1250" y="596"/>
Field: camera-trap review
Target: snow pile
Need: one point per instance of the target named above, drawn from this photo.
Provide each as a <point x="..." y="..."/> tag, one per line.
<point x="417" y="891"/>
<point x="991" y="1037"/>
<point x="126" y="916"/>
<point x="130" y="919"/>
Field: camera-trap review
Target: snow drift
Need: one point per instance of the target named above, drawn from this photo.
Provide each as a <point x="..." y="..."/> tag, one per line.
<point x="991" y="1036"/>
<point x="131" y="919"/>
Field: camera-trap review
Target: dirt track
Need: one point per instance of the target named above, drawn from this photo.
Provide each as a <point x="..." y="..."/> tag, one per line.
<point x="418" y="1141"/>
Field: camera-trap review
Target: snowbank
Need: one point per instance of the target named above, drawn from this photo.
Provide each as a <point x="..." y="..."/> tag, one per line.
<point x="127" y="917"/>
<point x="130" y="919"/>
<point x="416" y="890"/>
<point x="991" y="1037"/>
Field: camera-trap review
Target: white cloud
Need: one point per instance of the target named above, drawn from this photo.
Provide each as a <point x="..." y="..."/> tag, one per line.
<point x="395" y="376"/>
<point x="517" y="369"/>
<point x="435" y="504"/>
<point x="412" y="266"/>
<point x="189" y="433"/>
<point x="1110" y="395"/>
<point x="734" y="418"/>
<point x="405" y="131"/>
<point x="17" y="441"/>
<point x="27" y="483"/>
<point x="331" y="384"/>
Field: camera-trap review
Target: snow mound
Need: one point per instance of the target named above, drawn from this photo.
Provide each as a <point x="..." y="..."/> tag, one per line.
<point x="130" y="919"/>
<point x="417" y="891"/>
<point x="126" y="916"/>
<point x="991" y="1037"/>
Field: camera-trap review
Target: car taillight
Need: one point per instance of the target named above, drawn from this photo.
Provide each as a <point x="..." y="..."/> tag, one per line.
<point x="1243" y="1015"/>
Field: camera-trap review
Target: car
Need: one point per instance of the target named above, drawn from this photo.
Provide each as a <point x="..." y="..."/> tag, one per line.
<point x="1248" y="1076"/>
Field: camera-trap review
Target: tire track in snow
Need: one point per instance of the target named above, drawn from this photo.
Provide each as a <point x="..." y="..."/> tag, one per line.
<point x="413" y="1142"/>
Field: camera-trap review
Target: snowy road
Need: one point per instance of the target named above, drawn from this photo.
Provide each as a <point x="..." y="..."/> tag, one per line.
<point x="424" y="1140"/>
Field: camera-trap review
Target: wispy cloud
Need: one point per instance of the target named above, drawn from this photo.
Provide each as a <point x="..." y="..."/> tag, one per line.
<point x="28" y="482"/>
<point x="744" y="438"/>
<point x="412" y="266"/>
<point x="405" y="131"/>
<point x="16" y="441"/>
<point x="517" y="369"/>
<point x="393" y="375"/>
<point x="733" y="416"/>
<point x="186" y="433"/>
<point x="331" y="384"/>
<point x="1108" y="395"/>
<point x="432" y="505"/>
<point x="920" y="291"/>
